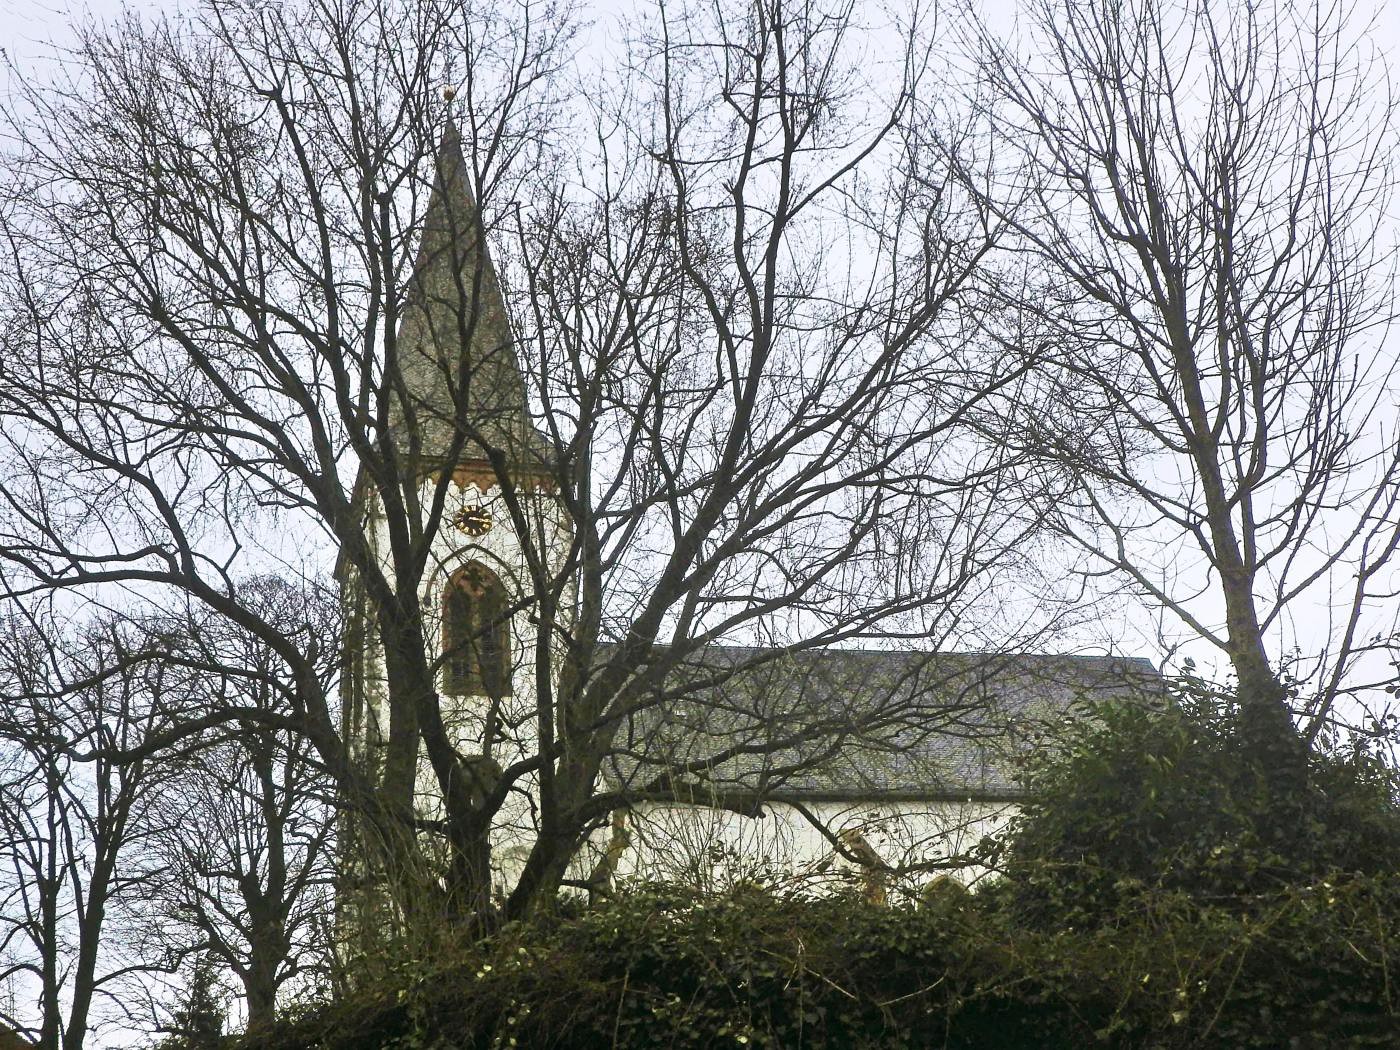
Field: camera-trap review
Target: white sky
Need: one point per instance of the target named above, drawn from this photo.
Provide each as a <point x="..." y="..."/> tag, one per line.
<point x="34" y="30"/>
<point x="28" y="24"/>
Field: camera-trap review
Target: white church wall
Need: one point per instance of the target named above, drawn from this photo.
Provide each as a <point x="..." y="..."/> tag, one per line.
<point x="696" y="845"/>
<point x="465" y="717"/>
<point x="712" y="849"/>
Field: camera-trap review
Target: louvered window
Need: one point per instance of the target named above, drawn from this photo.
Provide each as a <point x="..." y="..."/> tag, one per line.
<point x="476" y="634"/>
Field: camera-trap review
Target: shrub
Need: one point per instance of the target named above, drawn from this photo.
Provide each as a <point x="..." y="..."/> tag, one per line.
<point x="1307" y="967"/>
<point x="1146" y="902"/>
<point x="1136" y="797"/>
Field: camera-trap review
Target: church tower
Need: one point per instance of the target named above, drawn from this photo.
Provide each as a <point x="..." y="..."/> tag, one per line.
<point x="459" y="420"/>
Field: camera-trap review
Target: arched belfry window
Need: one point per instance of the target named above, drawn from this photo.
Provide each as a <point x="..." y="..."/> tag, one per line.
<point x="475" y="634"/>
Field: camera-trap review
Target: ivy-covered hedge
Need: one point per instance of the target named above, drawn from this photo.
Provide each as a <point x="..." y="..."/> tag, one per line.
<point x="1130" y="799"/>
<point x="1314" y="966"/>
<point x="1152" y="896"/>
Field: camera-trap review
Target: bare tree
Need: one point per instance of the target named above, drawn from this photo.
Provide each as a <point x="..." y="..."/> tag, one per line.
<point x="241" y="834"/>
<point x="72" y="817"/>
<point x="755" y="343"/>
<point x="1202" y="190"/>
<point x="726" y="384"/>
<point x="121" y="855"/>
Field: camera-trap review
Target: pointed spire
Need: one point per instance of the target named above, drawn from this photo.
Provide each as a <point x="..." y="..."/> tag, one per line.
<point x="455" y="346"/>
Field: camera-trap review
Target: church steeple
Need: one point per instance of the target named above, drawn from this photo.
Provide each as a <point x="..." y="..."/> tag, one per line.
<point x="456" y="352"/>
<point x="458" y="376"/>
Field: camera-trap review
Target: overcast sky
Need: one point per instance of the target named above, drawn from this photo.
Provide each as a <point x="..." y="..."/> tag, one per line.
<point x="29" y="23"/>
<point x="31" y="26"/>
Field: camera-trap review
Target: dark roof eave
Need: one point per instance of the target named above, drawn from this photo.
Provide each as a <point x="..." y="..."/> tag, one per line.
<point x="943" y="796"/>
<point x="747" y="800"/>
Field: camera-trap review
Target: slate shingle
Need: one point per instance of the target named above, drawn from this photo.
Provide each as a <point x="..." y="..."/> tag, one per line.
<point x="908" y="725"/>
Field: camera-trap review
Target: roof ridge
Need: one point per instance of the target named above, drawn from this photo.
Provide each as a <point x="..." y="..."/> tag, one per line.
<point x="989" y="654"/>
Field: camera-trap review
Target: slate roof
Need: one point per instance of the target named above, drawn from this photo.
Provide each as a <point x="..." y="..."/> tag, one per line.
<point x="846" y="724"/>
<point x="455" y="298"/>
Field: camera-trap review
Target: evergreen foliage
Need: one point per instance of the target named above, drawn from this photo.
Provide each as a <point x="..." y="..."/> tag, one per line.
<point x="1143" y="904"/>
<point x="198" y="1022"/>
<point x="1308" y="966"/>
<point x="1128" y="799"/>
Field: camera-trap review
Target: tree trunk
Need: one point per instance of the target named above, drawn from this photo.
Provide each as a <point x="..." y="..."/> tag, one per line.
<point x="1265" y="720"/>
<point x="1267" y="729"/>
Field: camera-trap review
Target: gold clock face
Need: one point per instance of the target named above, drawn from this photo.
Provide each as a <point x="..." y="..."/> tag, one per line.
<point x="474" y="520"/>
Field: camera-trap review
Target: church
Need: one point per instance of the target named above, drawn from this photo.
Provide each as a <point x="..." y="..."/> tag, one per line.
<point x="809" y="767"/>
